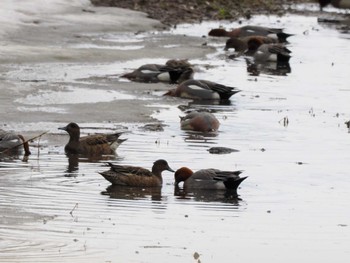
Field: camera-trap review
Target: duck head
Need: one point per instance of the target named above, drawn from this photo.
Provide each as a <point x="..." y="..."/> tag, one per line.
<point x="182" y="174"/>
<point x="161" y="165"/>
<point x="72" y="129"/>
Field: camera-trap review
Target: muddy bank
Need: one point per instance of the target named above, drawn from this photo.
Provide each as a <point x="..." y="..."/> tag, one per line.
<point x="194" y="11"/>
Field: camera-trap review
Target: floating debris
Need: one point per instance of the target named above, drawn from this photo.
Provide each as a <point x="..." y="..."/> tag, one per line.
<point x="153" y="127"/>
<point x="221" y="150"/>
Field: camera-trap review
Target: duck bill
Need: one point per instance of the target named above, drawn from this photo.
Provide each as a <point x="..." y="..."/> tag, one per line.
<point x="63" y="128"/>
<point x="170" y="170"/>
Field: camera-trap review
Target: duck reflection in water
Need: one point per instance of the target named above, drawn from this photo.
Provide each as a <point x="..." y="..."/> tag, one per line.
<point x="75" y="159"/>
<point x="268" y="68"/>
<point x="200" y="195"/>
<point x="133" y="193"/>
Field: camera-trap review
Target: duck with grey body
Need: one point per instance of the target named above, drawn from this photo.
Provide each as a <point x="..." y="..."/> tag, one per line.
<point x="11" y="142"/>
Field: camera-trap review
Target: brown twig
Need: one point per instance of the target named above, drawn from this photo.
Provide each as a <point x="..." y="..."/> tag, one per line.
<point x="24" y="142"/>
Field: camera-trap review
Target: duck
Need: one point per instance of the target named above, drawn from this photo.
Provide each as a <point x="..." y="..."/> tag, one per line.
<point x="174" y="71"/>
<point x="245" y="31"/>
<point x="135" y="176"/>
<point x="202" y="90"/>
<point x="199" y="121"/>
<point x="10" y="142"/>
<point x="272" y="52"/>
<point x="335" y="3"/>
<point x="91" y="145"/>
<point x="208" y="179"/>
<point x="241" y="44"/>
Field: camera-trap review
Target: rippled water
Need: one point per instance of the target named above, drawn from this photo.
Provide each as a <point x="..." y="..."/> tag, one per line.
<point x="292" y="208"/>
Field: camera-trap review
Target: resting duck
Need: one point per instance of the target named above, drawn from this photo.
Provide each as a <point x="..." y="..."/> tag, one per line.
<point x="335" y="3"/>
<point x="200" y="121"/>
<point x="137" y="176"/>
<point x="174" y="71"/>
<point x="92" y="145"/>
<point x="245" y="31"/>
<point x="210" y="179"/>
<point x="10" y="141"/>
<point x="202" y="90"/>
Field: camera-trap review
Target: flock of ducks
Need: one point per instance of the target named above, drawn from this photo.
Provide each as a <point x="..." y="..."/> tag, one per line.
<point x="126" y="175"/>
<point x="249" y="39"/>
<point x="261" y="43"/>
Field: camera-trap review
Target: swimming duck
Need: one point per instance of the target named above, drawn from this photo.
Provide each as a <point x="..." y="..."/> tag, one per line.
<point x="137" y="176"/>
<point x="335" y="3"/>
<point x="208" y="179"/>
<point x="10" y="141"/>
<point x="200" y="121"/>
<point x="99" y="144"/>
<point x="174" y="71"/>
<point x="245" y="31"/>
<point x="202" y="90"/>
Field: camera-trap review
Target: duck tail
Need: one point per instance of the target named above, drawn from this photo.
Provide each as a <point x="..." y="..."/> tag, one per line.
<point x="233" y="183"/>
<point x="282" y="37"/>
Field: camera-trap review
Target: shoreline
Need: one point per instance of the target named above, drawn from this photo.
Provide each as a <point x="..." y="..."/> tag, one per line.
<point x="49" y="52"/>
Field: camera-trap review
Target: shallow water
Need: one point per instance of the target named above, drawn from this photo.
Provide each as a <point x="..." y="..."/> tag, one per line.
<point x="292" y="207"/>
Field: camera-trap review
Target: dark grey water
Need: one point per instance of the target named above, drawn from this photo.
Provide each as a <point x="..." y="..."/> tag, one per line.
<point x="292" y="208"/>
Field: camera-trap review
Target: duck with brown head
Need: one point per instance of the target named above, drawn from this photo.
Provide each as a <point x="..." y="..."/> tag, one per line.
<point x="210" y="179"/>
<point x="262" y="52"/>
<point x="199" y="121"/>
<point x="91" y="145"/>
<point x="137" y="176"/>
<point x="241" y="44"/>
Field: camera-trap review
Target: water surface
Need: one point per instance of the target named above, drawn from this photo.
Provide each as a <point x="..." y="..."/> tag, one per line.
<point x="292" y="208"/>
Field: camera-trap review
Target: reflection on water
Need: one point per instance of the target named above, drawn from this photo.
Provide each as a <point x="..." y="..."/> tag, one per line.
<point x="74" y="160"/>
<point x="59" y="209"/>
<point x="133" y="193"/>
<point x="200" y="195"/>
<point x="269" y="68"/>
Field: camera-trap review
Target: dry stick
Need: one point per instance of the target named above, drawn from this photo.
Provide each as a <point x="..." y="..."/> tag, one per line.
<point x="9" y="149"/>
<point x="71" y="212"/>
<point x="39" y="147"/>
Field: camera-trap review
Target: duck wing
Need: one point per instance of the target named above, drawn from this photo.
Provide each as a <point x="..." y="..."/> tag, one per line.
<point x="279" y="49"/>
<point x="93" y="140"/>
<point x="130" y="170"/>
<point x="225" y="92"/>
<point x="99" y="139"/>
